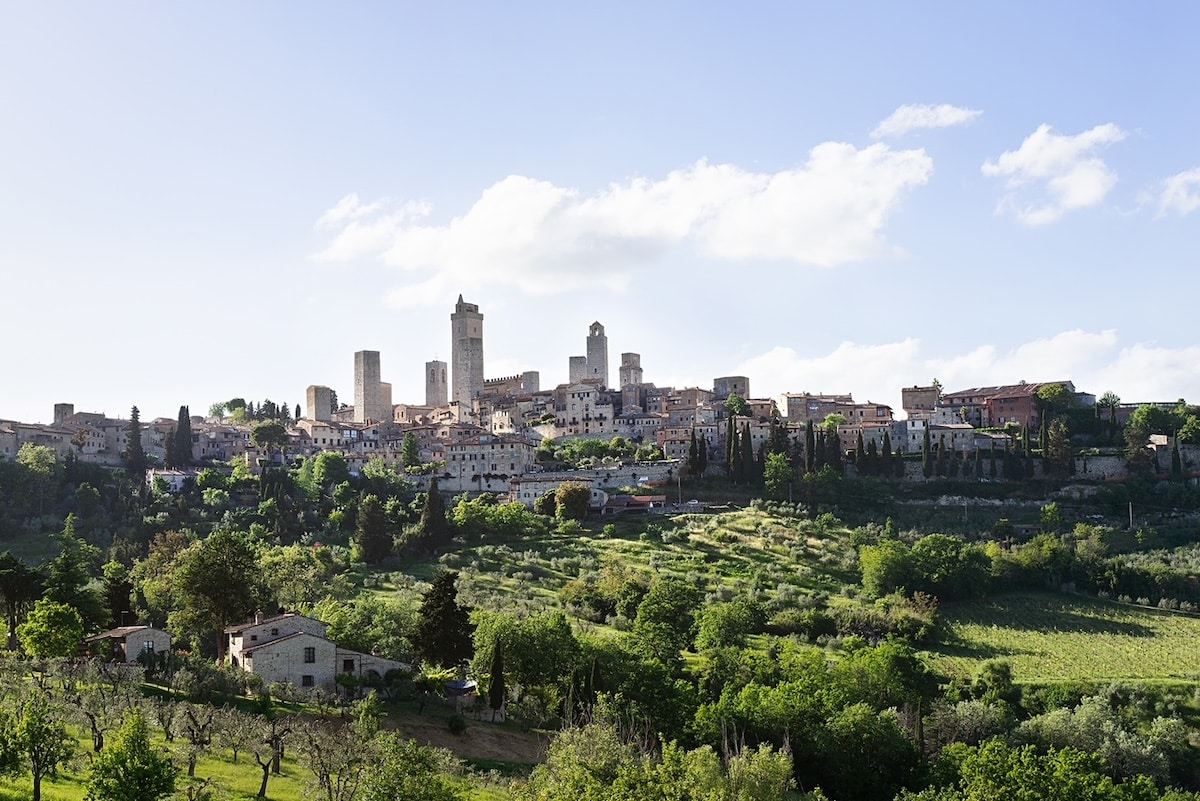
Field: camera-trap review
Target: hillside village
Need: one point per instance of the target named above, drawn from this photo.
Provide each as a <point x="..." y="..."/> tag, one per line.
<point x="482" y="434"/>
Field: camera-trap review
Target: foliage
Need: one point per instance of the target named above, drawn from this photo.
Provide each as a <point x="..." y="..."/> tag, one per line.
<point x="404" y="769"/>
<point x="443" y="631"/>
<point x="51" y="629"/>
<point x="571" y="500"/>
<point x="215" y="583"/>
<point x="130" y="768"/>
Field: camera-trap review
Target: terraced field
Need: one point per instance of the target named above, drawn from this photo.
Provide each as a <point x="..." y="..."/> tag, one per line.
<point x="1054" y="637"/>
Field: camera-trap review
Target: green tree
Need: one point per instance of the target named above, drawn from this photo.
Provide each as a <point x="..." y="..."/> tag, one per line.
<point x="330" y="469"/>
<point x="69" y="576"/>
<point x="443" y="634"/>
<point x="778" y="475"/>
<point x="886" y="567"/>
<point x="810" y="448"/>
<point x="42" y="738"/>
<point x="665" y="621"/>
<point x="20" y="587"/>
<point x="51" y="630"/>
<point x="216" y="584"/>
<point x="736" y="405"/>
<point x="926" y="454"/>
<point x="373" y="540"/>
<point x="1056" y="451"/>
<point x="403" y="769"/>
<point x="693" y="459"/>
<point x="433" y="526"/>
<point x="571" y="500"/>
<point x="183" y="438"/>
<point x="130" y="768"/>
<point x="42" y="471"/>
<point x="410" y="452"/>
<point x="497" y="690"/>
<point x="135" y="454"/>
<point x="1111" y="401"/>
<point x="270" y="436"/>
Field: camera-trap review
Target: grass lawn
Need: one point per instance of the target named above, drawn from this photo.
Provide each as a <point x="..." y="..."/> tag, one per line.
<point x="1054" y="637"/>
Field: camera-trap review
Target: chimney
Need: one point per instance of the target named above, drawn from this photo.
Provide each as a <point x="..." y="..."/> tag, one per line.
<point x="258" y="616"/>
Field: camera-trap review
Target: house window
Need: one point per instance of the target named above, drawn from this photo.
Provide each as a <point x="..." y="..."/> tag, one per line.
<point x="274" y="632"/>
<point x="347" y="665"/>
<point x="148" y="647"/>
<point x="310" y="654"/>
<point x="253" y="637"/>
<point x="306" y="681"/>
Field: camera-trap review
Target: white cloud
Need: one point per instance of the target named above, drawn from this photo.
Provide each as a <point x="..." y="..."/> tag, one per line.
<point x="1180" y="193"/>
<point x="547" y="239"/>
<point x="1065" y="169"/>
<point x="1095" y="361"/>
<point x="919" y="117"/>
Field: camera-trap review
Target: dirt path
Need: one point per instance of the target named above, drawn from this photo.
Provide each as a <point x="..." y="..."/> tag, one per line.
<point x="482" y="740"/>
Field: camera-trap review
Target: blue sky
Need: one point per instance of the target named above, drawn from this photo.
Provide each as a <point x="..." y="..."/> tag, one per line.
<point x="203" y="202"/>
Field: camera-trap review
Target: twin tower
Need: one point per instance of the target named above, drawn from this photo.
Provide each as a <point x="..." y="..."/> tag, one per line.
<point x="372" y="397"/>
<point x="466" y="356"/>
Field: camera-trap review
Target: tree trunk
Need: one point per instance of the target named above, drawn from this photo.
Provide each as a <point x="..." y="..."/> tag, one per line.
<point x="265" y="765"/>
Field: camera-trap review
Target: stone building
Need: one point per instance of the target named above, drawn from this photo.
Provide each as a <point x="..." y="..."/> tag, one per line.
<point x="436" y="383"/>
<point x="368" y="389"/>
<point x="466" y="352"/>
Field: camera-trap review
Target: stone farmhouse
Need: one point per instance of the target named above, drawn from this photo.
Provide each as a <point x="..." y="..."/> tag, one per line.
<point x="293" y="648"/>
<point x="128" y="643"/>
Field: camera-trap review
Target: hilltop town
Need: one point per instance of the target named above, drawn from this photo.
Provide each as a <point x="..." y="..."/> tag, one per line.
<point x="475" y="433"/>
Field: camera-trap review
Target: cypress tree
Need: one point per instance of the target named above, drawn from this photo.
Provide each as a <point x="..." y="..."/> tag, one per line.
<point x="885" y="455"/>
<point x="872" y="459"/>
<point x="702" y="456"/>
<point x="496" y="687"/>
<point x="926" y="454"/>
<point x="435" y="531"/>
<point x="810" y="448"/>
<point x="748" y="466"/>
<point x="731" y="445"/>
<point x="693" y="459"/>
<point x="373" y="541"/>
<point x="135" y="454"/>
<point x="860" y="455"/>
<point x="183" y="438"/>
<point x="992" y="459"/>
<point x="169" y="450"/>
<point x="443" y="632"/>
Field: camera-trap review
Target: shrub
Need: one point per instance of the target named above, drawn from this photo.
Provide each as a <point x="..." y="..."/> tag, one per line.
<point x="457" y="725"/>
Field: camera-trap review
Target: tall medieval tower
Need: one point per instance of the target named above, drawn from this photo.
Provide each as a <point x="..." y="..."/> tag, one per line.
<point x="368" y="389"/>
<point x="436" y="383"/>
<point x="466" y="351"/>
<point x="597" y="354"/>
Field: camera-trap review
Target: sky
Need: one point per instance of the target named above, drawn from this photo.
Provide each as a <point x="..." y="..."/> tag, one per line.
<point x="207" y="201"/>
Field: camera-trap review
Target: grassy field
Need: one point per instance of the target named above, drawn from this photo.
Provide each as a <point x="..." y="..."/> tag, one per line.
<point x="482" y="748"/>
<point x="1052" y="637"/>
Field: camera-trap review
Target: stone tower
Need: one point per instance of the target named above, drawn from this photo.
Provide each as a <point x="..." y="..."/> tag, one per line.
<point x="368" y="391"/>
<point x="725" y="386"/>
<point x="630" y="373"/>
<point x="319" y="401"/>
<point x="577" y="369"/>
<point x="466" y="351"/>
<point x="62" y="411"/>
<point x="597" y="354"/>
<point x="437" y="387"/>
